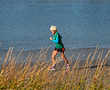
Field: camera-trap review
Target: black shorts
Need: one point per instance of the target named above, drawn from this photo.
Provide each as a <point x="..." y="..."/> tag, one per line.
<point x="60" y="49"/>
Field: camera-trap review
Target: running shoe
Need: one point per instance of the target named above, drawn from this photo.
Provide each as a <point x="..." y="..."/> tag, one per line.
<point x="52" y="68"/>
<point x="67" y="67"/>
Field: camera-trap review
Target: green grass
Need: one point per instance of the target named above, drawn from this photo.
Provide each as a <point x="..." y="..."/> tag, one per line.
<point x="28" y="76"/>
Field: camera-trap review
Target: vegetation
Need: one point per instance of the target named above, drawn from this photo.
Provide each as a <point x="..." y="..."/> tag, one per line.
<point x="36" y="76"/>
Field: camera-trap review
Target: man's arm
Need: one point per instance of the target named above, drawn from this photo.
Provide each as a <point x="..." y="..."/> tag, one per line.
<point x="55" y="40"/>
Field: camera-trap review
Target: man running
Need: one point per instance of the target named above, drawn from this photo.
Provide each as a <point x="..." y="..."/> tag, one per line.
<point x="57" y="39"/>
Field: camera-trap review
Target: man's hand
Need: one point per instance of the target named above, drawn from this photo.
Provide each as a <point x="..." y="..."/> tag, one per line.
<point x="51" y="38"/>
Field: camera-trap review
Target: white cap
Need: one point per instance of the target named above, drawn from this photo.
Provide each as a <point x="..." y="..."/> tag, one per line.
<point x="53" y="28"/>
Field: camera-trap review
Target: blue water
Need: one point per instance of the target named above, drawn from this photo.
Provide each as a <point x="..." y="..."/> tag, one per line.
<point x="82" y="23"/>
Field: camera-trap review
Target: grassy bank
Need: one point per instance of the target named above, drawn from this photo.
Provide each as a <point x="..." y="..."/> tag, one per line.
<point x="36" y="76"/>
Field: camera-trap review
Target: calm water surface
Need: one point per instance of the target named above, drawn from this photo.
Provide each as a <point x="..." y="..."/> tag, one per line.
<point x="25" y="23"/>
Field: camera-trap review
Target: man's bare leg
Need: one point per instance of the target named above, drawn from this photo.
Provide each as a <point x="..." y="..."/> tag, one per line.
<point x="66" y="61"/>
<point x="54" y="53"/>
<point x="64" y="58"/>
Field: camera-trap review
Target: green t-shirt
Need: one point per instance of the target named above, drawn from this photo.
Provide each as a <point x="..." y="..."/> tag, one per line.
<point x="57" y="39"/>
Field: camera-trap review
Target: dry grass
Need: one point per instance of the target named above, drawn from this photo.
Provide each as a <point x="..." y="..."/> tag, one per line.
<point x="28" y="76"/>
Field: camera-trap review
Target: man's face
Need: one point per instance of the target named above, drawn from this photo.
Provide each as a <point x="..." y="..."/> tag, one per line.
<point x="53" y="32"/>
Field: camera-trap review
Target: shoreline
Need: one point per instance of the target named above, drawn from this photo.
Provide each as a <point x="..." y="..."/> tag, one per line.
<point x="72" y="55"/>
